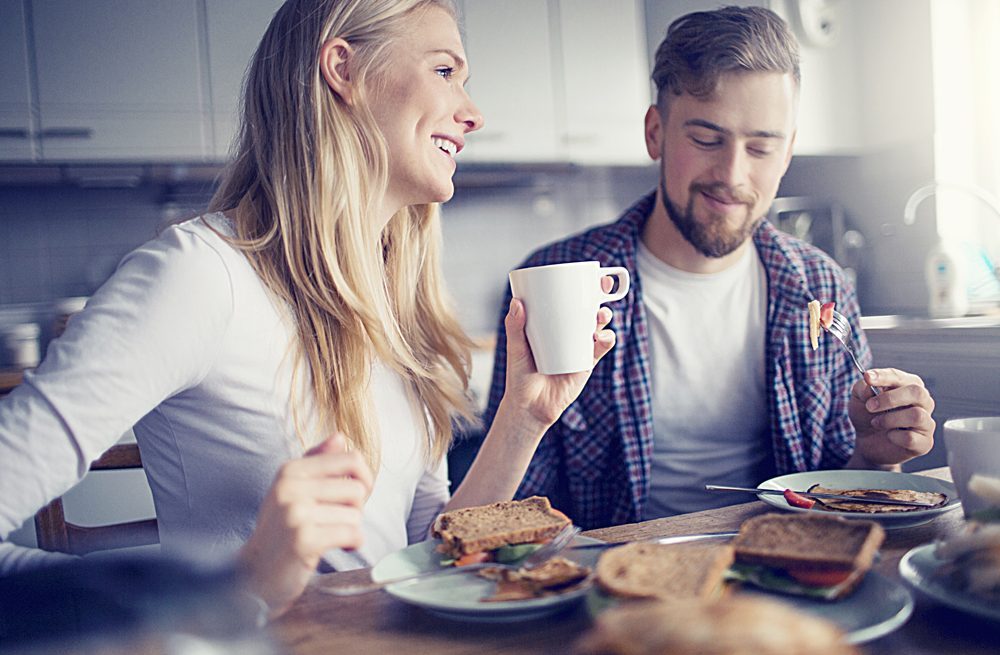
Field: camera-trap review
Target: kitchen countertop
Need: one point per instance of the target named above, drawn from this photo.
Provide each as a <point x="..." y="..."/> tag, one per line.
<point x="924" y="323"/>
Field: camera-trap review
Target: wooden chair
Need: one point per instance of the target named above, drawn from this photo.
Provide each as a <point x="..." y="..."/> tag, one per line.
<point x="54" y="533"/>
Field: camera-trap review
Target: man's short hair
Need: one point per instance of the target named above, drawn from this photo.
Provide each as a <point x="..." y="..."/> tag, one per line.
<point x="702" y="46"/>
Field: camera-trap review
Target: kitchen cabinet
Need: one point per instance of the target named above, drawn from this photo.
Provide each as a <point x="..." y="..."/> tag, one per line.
<point x="119" y="80"/>
<point x="958" y="360"/>
<point x="16" y="143"/>
<point x="234" y="29"/>
<point x="562" y="80"/>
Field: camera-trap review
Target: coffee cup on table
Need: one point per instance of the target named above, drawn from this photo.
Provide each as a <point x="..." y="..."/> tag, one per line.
<point x="561" y="303"/>
<point x="973" y="446"/>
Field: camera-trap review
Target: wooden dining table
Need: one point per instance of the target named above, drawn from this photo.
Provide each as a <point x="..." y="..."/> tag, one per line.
<point x="320" y="623"/>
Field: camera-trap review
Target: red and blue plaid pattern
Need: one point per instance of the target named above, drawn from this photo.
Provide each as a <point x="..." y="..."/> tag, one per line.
<point x="594" y="463"/>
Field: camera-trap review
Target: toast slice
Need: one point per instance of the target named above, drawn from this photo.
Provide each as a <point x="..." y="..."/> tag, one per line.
<point x="665" y="571"/>
<point x="822" y="556"/>
<point x="488" y="527"/>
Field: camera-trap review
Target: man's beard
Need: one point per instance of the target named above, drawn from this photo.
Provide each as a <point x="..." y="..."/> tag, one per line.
<point x="713" y="238"/>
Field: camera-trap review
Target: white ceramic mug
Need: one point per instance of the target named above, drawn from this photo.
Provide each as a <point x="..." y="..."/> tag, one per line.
<point x="973" y="446"/>
<point x="561" y="303"/>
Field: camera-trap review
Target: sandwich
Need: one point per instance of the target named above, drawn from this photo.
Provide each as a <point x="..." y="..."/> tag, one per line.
<point x="665" y="571"/>
<point x="501" y="532"/>
<point x="823" y="557"/>
<point x="737" y="625"/>
<point x="932" y="498"/>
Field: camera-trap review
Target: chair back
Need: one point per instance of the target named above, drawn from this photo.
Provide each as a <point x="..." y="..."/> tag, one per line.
<point x="54" y="533"/>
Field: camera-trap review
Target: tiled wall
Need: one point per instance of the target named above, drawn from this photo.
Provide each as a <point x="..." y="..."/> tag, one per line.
<point x="60" y="241"/>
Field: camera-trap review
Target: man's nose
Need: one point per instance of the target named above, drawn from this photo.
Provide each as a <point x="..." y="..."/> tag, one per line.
<point x="731" y="166"/>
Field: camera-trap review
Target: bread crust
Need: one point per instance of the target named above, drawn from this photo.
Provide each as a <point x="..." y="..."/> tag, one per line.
<point x="808" y="542"/>
<point x="674" y="571"/>
<point x="487" y="527"/>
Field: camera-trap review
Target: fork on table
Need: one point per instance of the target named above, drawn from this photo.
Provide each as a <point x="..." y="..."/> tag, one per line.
<point x="841" y="330"/>
<point x="547" y="551"/>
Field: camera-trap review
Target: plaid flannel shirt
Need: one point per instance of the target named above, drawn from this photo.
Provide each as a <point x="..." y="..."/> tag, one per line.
<point x="594" y="462"/>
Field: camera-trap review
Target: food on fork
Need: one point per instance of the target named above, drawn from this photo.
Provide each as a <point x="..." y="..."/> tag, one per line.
<point x="932" y="498"/>
<point x="557" y="575"/>
<point x="811" y="555"/>
<point x="500" y="532"/>
<point x="738" y="625"/>
<point x="666" y="571"/>
<point x="820" y="316"/>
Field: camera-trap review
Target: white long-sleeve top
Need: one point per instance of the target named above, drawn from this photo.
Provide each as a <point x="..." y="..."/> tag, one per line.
<point x="185" y="344"/>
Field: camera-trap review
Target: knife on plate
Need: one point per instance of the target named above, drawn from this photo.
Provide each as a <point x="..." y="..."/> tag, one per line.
<point x="809" y="494"/>
<point x="677" y="539"/>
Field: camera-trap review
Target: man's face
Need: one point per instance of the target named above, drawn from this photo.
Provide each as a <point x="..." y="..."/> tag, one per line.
<point x="722" y="157"/>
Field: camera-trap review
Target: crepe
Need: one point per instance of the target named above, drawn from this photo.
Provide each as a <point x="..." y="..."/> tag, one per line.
<point x="555" y="576"/>
<point x="932" y="498"/>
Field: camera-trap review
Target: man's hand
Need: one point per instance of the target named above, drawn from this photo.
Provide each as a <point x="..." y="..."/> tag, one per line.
<point x="894" y="426"/>
<point x="314" y="505"/>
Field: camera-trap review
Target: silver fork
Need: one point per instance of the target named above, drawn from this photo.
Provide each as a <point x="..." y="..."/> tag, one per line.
<point x="549" y="550"/>
<point x="841" y="330"/>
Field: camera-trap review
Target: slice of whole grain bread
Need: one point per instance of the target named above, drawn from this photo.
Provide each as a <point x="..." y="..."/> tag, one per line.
<point x="666" y="571"/>
<point x="809" y="542"/>
<point x="476" y="529"/>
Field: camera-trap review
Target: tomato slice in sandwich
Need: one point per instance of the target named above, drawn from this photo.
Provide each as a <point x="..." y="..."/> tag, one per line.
<point x="821" y="578"/>
<point x="474" y="558"/>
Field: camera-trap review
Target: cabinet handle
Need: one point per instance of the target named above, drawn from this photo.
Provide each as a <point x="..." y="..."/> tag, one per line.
<point x="15" y="133"/>
<point x="66" y="133"/>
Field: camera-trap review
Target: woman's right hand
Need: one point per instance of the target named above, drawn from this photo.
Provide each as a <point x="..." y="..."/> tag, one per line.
<point x="314" y="505"/>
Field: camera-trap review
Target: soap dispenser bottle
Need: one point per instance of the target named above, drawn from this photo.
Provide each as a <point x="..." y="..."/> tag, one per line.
<point x="945" y="275"/>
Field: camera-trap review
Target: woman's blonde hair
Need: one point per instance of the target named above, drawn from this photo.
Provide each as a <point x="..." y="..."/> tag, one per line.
<point x="307" y="176"/>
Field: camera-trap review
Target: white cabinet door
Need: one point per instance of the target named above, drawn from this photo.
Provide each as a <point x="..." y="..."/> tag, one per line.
<point x="120" y="80"/>
<point x="510" y="59"/>
<point x="562" y="80"/>
<point x="15" y="97"/>
<point x="605" y="81"/>
<point x="234" y="29"/>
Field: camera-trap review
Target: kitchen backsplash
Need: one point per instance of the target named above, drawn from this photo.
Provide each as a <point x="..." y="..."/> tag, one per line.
<point x="60" y="241"/>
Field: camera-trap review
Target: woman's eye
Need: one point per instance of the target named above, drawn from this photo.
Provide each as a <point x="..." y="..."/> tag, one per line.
<point x="445" y="71"/>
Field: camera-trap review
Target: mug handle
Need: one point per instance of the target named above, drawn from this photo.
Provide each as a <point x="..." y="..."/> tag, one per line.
<point x="624" y="281"/>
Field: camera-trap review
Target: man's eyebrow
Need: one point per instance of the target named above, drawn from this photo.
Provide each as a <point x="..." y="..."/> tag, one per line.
<point x="708" y="125"/>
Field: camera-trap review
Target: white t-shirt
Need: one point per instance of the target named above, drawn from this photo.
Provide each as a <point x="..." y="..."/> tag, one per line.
<point x="709" y="403"/>
<point x="186" y="344"/>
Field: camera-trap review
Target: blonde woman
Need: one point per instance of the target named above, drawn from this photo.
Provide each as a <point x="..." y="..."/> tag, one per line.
<point x="307" y="303"/>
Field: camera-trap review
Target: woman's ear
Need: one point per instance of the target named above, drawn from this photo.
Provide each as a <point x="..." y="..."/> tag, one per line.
<point x="335" y="64"/>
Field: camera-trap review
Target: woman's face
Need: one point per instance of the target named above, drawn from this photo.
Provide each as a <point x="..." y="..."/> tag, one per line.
<point x="423" y="110"/>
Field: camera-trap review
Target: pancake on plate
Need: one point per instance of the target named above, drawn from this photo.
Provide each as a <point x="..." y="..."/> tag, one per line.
<point x="932" y="498"/>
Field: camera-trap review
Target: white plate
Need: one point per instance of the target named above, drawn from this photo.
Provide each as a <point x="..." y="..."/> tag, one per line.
<point x="459" y="596"/>
<point x="919" y="568"/>
<point x="877" y="607"/>
<point x="855" y="479"/>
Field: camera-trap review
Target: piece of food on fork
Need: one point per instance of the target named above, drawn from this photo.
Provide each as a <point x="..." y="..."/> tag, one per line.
<point x="820" y="316"/>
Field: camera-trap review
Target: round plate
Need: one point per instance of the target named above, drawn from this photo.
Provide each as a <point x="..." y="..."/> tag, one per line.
<point x="919" y="567"/>
<point x="877" y="607"/>
<point x="460" y="596"/>
<point x="853" y="479"/>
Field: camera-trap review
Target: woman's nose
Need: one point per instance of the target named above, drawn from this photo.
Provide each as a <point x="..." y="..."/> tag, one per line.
<point x="469" y="114"/>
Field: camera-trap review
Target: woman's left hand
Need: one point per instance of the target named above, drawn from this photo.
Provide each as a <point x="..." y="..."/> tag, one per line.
<point x="545" y="397"/>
